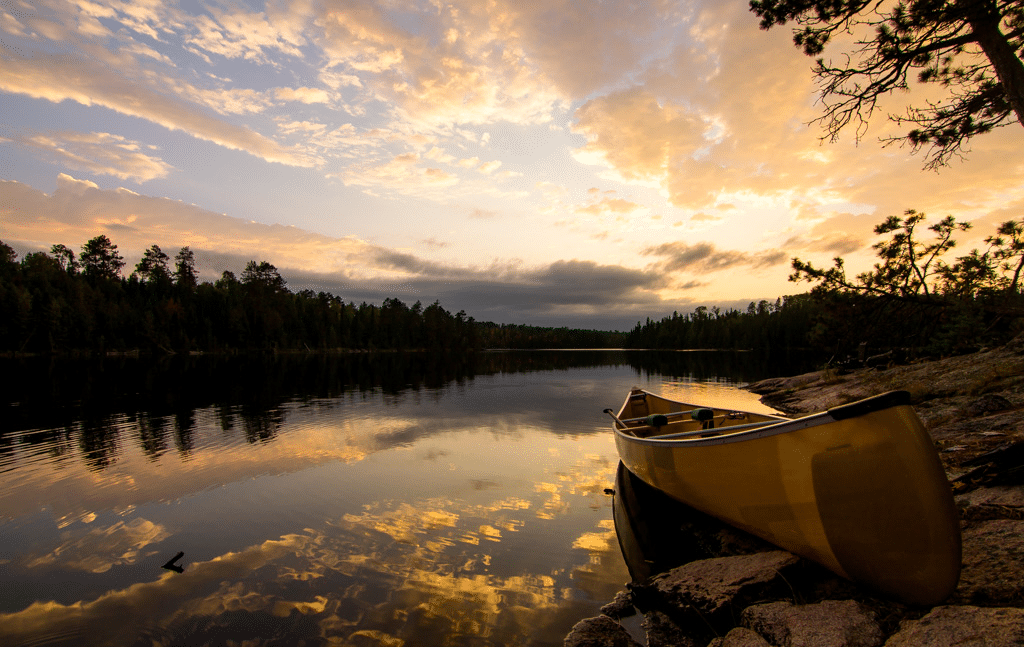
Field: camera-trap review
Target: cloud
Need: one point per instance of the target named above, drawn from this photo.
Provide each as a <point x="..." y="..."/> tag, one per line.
<point x="609" y="206"/>
<point x="100" y="549"/>
<point x="61" y="77"/>
<point x="706" y="258"/>
<point x="403" y="174"/>
<point x="303" y="95"/>
<point x="234" y="33"/>
<point x="97" y="153"/>
<point x="581" y="48"/>
<point x="637" y="135"/>
<point x="452" y="65"/>
<point x="78" y="210"/>
<point x="837" y="235"/>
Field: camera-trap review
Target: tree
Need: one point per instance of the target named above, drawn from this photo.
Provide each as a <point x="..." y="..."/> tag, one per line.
<point x="263" y="275"/>
<point x="185" y="274"/>
<point x="1008" y="244"/>
<point x="915" y="271"/>
<point x="227" y="281"/>
<point x="7" y="256"/>
<point x="152" y="268"/>
<point x="969" y="47"/>
<point x="916" y="298"/>
<point x="65" y="257"/>
<point x="100" y="259"/>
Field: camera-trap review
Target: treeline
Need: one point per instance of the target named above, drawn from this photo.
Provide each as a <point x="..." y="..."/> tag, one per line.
<point x="56" y="302"/>
<point x="60" y="302"/>
<point x="783" y="325"/>
<point x="917" y="300"/>
<point x="520" y="336"/>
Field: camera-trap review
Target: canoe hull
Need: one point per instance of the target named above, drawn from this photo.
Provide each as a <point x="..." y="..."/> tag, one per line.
<point x="864" y="495"/>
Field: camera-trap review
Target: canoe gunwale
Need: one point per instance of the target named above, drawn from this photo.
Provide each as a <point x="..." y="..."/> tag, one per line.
<point x="764" y="429"/>
<point x="761" y="430"/>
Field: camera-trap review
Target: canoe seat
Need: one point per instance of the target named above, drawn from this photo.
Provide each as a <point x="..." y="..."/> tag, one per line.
<point x="638" y="407"/>
<point x="706" y="418"/>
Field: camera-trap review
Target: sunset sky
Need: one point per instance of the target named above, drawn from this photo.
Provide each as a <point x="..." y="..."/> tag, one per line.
<point x="552" y="162"/>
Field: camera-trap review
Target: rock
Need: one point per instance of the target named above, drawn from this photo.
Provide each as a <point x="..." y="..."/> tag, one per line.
<point x="987" y="404"/>
<point x="945" y="626"/>
<point x="740" y="637"/>
<point x="601" y="631"/>
<point x="831" y="623"/>
<point x="620" y="607"/>
<point x="1015" y="345"/>
<point x="1007" y="422"/>
<point x="993" y="564"/>
<point x="662" y="631"/>
<point x="997" y="502"/>
<point x="716" y="588"/>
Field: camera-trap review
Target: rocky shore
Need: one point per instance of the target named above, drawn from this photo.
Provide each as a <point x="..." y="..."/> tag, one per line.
<point x="738" y="591"/>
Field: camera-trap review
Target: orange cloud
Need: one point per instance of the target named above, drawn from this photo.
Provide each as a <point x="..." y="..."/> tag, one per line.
<point x="637" y="135"/>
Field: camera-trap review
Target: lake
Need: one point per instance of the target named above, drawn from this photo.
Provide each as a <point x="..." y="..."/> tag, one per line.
<point x="387" y="499"/>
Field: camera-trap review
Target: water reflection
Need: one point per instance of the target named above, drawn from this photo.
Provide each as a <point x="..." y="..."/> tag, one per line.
<point x="331" y="500"/>
<point x="428" y="571"/>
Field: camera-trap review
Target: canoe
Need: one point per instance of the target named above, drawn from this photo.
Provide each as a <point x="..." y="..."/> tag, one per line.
<point x="858" y="488"/>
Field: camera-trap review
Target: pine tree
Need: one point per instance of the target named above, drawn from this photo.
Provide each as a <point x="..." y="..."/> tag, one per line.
<point x="185" y="274"/>
<point x="969" y="47"/>
<point x="152" y="268"/>
<point x="100" y="259"/>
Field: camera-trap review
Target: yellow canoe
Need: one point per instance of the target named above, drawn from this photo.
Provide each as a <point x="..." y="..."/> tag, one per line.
<point x="858" y="488"/>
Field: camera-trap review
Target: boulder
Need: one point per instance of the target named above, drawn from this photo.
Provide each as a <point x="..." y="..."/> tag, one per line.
<point x="993" y="564"/>
<point x="740" y="637"/>
<point x="662" y="631"/>
<point x="831" y="623"/>
<point x="968" y="625"/>
<point x="716" y="589"/>
<point x="620" y="607"/>
<point x="601" y="631"/>
<point x="986" y="404"/>
<point x="996" y="502"/>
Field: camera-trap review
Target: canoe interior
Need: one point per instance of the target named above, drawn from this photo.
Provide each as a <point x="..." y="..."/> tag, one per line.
<point x="681" y="417"/>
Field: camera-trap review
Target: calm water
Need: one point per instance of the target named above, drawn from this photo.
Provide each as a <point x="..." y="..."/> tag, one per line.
<point x="348" y="500"/>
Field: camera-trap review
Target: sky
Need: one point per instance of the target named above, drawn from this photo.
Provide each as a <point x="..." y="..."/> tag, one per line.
<point x="548" y="162"/>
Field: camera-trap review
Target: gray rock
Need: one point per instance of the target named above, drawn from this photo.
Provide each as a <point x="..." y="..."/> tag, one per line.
<point x="986" y="404"/>
<point x="993" y="563"/>
<point x="996" y="502"/>
<point x="740" y="637"/>
<point x="714" y="588"/>
<point x="831" y="623"/>
<point x="662" y="631"/>
<point x="601" y="631"/>
<point x="967" y="626"/>
<point x="620" y="607"/>
<point x="960" y="429"/>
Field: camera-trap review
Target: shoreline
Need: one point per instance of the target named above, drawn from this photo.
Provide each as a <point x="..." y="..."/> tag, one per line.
<point x="973" y="407"/>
